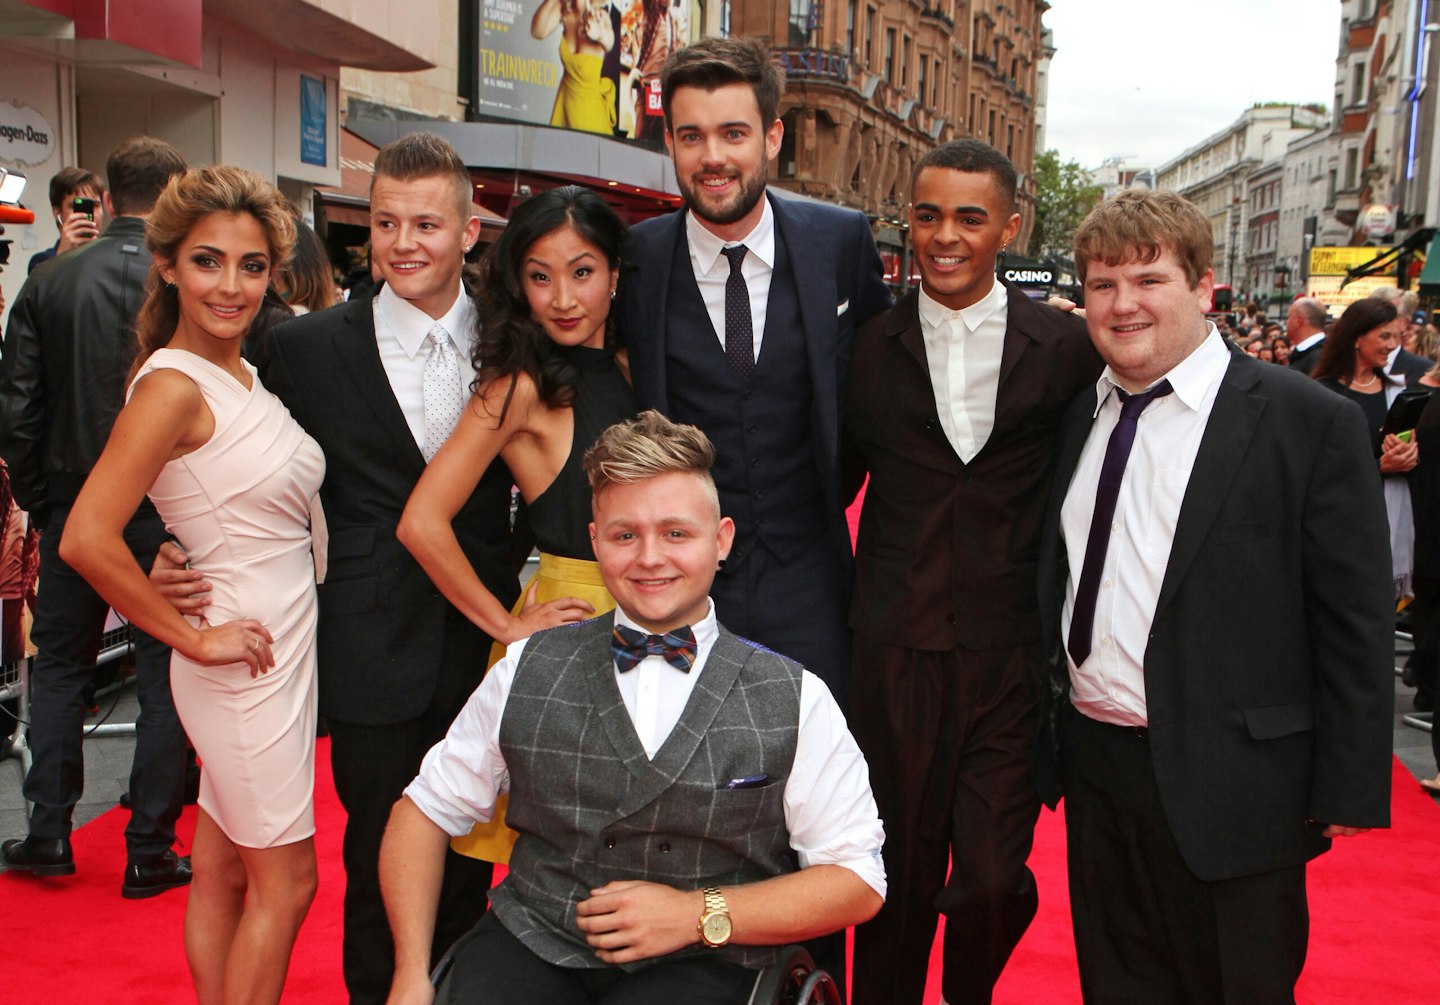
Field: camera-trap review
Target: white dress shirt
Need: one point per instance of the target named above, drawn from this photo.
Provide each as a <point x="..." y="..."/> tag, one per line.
<point x="1306" y="343"/>
<point x="829" y="809"/>
<point x="1110" y="684"/>
<point x="963" y="349"/>
<point x="400" y="330"/>
<point x="712" y="269"/>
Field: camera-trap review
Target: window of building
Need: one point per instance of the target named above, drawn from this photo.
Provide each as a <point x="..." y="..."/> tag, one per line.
<point x="990" y="136"/>
<point x="1352" y="168"/>
<point x="799" y="34"/>
<point x="923" y="77"/>
<point x="890" y="54"/>
<point x="1357" y="83"/>
<point x="869" y="36"/>
<point x="725" y="17"/>
<point x="850" y="29"/>
<point x="905" y="61"/>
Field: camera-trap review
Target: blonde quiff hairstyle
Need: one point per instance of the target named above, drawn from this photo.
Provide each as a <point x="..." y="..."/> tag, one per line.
<point x="186" y="200"/>
<point x="647" y="446"/>
<point x="1139" y="225"/>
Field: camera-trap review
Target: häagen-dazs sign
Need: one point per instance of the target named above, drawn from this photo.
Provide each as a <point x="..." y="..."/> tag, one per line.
<point x="25" y="136"/>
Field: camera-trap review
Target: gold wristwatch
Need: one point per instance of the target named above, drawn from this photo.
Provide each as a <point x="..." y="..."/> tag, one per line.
<point x="715" y="922"/>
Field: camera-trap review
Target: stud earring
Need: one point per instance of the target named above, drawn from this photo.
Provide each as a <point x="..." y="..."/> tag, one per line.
<point x="612" y="294"/>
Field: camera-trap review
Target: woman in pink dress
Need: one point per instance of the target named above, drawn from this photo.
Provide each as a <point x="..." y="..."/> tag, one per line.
<point x="233" y="475"/>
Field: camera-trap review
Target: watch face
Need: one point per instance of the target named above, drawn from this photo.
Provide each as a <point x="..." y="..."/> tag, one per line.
<point x="717" y="929"/>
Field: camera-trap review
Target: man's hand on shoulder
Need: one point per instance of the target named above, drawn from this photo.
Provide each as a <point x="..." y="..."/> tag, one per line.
<point x="631" y="920"/>
<point x="1068" y="306"/>
<point x="1336" y="830"/>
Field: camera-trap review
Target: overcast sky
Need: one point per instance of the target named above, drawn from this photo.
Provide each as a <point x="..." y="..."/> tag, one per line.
<point x="1150" y="78"/>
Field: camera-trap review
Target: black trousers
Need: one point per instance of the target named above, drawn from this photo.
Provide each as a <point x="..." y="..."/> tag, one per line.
<point x="69" y="620"/>
<point x="950" y="740"/>
<point x="372" y="766"/>
<point x="492" y="967"/>
<point x="1425" y="660"/>
<point x="1146" y="929"/>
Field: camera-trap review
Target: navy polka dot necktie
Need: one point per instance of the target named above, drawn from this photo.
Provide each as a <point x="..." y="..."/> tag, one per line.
<point x="739" y="328"/>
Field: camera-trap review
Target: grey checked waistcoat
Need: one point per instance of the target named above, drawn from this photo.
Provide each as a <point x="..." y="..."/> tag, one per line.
<point x="590" y="807"/>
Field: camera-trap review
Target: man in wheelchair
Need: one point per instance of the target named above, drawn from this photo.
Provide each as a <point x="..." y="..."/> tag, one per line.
<point x="686" y="801"/>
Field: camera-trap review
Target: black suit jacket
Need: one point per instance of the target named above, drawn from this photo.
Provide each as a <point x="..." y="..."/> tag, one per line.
<point x="839" y="285"/>
<point x="1268" y="672"/>
<point x="382" y="622"/>
<point x="1411" y="367"/>
<point x="1305" y="361"/>
<point x="947" y="550"/>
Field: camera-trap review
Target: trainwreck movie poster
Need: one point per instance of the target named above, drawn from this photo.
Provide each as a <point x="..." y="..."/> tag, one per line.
<point x="581" y="64"/>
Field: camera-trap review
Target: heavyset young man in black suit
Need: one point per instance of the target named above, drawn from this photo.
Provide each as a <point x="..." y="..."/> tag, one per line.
<point x="1205" y="757"/>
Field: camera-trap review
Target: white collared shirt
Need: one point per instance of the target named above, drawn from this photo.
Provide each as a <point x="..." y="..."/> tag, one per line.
<point x="400" y="330"/>
<point x="963" y="349"/>
<point x="712" y="269"/>
<point x="1110" y="684"/>
<point x="829" y="808"/>
<point x="1307" y="342"/>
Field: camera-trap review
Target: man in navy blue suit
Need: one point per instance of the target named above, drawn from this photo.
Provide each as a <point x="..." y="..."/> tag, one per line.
<point x="739" y="315"/>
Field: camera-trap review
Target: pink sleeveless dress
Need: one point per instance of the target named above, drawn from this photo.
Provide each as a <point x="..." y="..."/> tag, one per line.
<point x="240" y="507"/>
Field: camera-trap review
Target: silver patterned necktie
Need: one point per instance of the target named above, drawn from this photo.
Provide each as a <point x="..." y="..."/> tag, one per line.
<point x="444" y="391"/>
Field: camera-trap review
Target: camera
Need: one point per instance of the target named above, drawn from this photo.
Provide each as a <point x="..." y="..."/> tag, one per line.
<point x="82" y="205"/>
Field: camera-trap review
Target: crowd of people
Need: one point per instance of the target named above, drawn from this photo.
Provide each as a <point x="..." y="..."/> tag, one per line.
<point x="708" y="727"/>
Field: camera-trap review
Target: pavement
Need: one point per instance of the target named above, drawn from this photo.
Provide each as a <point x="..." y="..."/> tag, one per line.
<point x="107" y="757"/>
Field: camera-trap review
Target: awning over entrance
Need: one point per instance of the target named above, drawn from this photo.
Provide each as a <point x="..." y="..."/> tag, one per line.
<point x="1430" y="276"/>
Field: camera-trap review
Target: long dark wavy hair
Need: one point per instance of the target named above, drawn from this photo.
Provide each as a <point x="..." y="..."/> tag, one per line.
<point x="511" y="341"/>
<point x="1337" y="352"/>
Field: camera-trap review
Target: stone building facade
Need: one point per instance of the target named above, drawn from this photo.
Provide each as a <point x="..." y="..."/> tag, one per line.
<point x="875" y="84"/>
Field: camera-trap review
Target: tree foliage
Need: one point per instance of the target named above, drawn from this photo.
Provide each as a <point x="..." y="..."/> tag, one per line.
<point x="1064" y="194"/>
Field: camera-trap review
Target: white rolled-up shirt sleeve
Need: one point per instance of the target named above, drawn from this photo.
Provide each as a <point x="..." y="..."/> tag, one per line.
<point x="463" y="774"/>
<point x="829" y="808"/>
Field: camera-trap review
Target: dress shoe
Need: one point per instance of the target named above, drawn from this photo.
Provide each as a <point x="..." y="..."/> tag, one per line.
<point x="155" y="875"/>
<point x="42" y="856"/>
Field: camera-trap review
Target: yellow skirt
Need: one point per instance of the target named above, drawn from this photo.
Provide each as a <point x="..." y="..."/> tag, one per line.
<point x="557" y="577"/>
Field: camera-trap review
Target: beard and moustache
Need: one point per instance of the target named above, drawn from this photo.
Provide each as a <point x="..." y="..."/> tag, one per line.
<point x="752" y="190"/>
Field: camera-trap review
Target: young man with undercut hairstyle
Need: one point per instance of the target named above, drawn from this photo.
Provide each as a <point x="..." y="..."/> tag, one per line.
<point x="686" y="800"/>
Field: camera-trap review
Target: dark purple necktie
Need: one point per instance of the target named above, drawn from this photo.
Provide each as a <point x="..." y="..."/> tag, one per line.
<point x="1107" y="493"/>
<point x="739" y="328"/>
<point x="629" y="647"/>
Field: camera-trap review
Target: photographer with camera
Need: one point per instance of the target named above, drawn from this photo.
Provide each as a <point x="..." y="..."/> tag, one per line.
<point x="76" y="199"/>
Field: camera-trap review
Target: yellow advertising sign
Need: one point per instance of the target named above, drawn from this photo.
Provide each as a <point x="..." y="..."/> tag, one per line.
<point x="1338" y="261"/>
<point x="1327" y="289"/>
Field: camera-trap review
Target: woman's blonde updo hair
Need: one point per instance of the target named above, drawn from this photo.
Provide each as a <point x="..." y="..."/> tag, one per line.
<point x="187" y="200"/>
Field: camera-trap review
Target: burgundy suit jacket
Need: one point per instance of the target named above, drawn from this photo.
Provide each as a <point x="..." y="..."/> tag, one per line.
<point x="947" y="551"/>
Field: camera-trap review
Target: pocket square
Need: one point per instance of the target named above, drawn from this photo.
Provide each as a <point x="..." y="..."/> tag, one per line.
<point x="748" y="782"/>
<point x="842" y="307"/>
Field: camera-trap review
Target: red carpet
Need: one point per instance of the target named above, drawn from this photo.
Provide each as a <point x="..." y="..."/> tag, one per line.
<point x="75" y="940"/>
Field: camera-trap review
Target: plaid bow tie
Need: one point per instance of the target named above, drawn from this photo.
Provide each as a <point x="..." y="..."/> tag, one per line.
<point x="630" y="647"/>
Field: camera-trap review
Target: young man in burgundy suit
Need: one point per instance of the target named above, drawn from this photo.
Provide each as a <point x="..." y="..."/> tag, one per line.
<point x="955" y="397"/>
